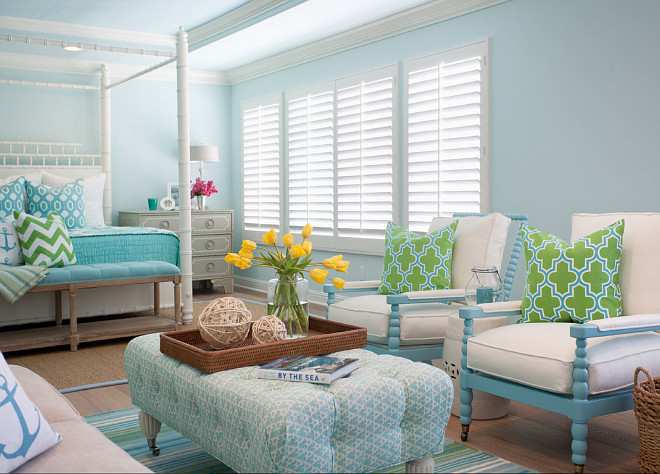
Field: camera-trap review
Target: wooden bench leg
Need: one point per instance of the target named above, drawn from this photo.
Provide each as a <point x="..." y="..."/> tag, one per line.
<point x="74" y="339"/>
<point x="157" y="298"/>
<point x="58" y="307"/>
<point x="177" y="302"/>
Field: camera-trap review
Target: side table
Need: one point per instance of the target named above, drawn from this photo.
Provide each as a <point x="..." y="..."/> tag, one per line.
<point x="211" y="239"/>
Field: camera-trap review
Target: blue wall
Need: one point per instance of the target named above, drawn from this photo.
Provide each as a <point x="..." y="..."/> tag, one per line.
<point x="144" y="130"/>
<point x="574" y="103"/>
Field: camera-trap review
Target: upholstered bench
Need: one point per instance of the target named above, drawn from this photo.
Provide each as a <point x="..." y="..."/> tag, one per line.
<point x="72" y="278"/>
<point x="388" y="411"/>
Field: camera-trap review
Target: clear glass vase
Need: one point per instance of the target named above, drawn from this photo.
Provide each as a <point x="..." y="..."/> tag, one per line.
<point x="485" y="286"/>
<point x="288" y="299"/>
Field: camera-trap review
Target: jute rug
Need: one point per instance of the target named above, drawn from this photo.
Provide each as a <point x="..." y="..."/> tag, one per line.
<point x="178" y="454"/>
<point x="94" y="362"/>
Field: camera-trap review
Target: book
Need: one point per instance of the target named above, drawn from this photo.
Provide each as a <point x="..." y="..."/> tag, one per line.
<point x="313" y="369"/>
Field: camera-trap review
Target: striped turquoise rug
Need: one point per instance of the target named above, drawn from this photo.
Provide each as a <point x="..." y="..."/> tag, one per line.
<point x="177" y="454"/>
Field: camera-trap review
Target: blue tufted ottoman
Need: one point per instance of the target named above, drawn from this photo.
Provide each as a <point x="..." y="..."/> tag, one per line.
<point x="388" y="411"/>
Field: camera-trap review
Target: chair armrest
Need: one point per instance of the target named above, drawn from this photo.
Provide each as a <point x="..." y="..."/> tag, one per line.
<point x="489" y="310"/>
<point x="431" y="296"/>
<point x="353" y="286"/>
<point x="613" y="326"/>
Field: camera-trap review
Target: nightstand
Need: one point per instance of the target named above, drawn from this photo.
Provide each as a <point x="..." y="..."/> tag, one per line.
<point x="212" y="233"/>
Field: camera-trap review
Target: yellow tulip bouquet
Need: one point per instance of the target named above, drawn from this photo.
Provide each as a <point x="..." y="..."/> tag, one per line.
<point x="290" y="263"/>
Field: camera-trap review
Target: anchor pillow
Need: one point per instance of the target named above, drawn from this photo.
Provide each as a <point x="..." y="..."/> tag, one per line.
<point x="25" y="432"/>
<point x="10" y="247"/>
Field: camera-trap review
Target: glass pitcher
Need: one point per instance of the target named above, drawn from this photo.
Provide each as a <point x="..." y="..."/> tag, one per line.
<point x="485" y="286"/>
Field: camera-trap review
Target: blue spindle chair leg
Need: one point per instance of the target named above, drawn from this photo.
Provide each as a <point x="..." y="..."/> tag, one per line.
<point x="579" y="445"/>
<point x="466" y="392"/>
<point x="580" y="392"/>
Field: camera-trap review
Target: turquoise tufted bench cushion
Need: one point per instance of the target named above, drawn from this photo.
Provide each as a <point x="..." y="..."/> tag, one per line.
<point x="108" y="271"/>
<point x="388" y="411"/>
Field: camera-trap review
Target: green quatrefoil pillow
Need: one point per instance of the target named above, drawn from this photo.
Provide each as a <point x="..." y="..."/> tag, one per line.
<point x="416" y="263"/>
<point x="572" y="283"/>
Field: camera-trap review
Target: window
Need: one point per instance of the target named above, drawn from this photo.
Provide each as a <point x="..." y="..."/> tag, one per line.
<point x="327" y="154"/>
<point x="446" y="109"/>
<point x="261" y="167"/>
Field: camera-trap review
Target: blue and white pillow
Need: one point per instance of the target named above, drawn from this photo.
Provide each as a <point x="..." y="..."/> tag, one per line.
<point x="10" y="247"/>
<point x="25" y="432"/>
<point x="66" y="200"/>
<point x="12" y="197"/>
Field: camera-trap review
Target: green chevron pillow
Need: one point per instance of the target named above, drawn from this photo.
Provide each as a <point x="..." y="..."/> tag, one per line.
<point x="572" y="283"/>
<point x="44" y="241"/>
<point x="417" y="263"/>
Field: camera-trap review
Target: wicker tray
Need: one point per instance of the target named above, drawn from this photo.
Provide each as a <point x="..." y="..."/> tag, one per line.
<point x="324" y="337"/>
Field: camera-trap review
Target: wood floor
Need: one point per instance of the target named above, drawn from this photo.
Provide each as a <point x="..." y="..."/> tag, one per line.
<point x="533" y="438"/>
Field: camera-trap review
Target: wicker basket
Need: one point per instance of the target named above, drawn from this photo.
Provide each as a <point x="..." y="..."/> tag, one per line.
<point x="646" y="397"/>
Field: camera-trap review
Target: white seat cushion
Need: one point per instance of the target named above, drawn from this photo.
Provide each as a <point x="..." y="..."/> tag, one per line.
<point x="479" y="240"/>
<point x="640" y="259"/>
<point x="541" y="355"/>
<point x="420" y="323"/>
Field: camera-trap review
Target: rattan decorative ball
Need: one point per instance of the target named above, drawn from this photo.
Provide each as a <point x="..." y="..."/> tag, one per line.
<point x="268" y="329"/>
<point x="225" y="322"/>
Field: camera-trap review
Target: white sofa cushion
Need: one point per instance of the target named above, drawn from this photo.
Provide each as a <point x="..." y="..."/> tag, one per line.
<point x="419" y="323"/>
<point x="541" y="355"/>
<point x="640" y="259"/>
<point x="479" y="240"/>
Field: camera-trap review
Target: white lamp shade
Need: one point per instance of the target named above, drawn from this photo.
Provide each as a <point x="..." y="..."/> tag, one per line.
<point x="204" y="153"/>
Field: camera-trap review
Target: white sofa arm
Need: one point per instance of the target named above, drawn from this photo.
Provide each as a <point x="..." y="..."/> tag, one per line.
<point x="636" y="321"/>
<point x="422" y="295"/>
<point x="362" y="285"/>
<point x="501" y="306"/>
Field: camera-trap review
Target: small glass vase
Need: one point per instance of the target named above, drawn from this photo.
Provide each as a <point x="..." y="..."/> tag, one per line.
<point x="485" y="286"/>
<point x="288" y="299"/>
<point x="201" y="202"/>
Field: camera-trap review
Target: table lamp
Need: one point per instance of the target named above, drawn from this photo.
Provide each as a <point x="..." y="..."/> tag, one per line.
<point x="202" y="154"/>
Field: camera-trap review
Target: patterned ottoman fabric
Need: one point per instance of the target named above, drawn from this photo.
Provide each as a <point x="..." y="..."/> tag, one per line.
<point x="389" y="411"/>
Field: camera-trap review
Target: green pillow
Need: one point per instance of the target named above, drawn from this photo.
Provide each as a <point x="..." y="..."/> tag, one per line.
<point x="44" y="241"/>
<point x="572" y="283"/>
<point x="417" y="263"/>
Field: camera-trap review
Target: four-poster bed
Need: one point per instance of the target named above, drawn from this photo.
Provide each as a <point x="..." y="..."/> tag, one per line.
<point x="20" y="158"/>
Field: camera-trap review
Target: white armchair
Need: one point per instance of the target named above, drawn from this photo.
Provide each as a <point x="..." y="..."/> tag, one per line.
<point x="579" y="370"/>
<point x="413" y="324"/>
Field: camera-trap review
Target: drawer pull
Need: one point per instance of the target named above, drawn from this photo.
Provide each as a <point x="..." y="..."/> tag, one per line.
<point x="209" y="224"/>
<point x="209" y="245"/>
<point x="210" y="267"/>
<point x="164" y="224"/>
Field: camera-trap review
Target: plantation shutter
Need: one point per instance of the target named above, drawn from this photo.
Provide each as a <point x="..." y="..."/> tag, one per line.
<point x="261" y="168"/>
<point x="365" y="156"/>
<point x="445" y="168"/>
<point x="310" y="139"/>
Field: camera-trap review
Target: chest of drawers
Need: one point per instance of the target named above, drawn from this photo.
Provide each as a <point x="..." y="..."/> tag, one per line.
<point x="212" y="233"/>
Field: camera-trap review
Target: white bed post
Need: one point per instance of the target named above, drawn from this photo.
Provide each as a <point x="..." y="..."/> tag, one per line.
<point x="184" y="174"/>
<point x="106" y="144"/>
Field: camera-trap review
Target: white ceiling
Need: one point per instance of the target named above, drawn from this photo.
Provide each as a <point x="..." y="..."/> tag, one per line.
<point x="233" y="33"/>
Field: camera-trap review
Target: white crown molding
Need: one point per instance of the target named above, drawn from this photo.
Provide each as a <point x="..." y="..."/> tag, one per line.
<point x="32" y="62"/>
<point x="235" y="19"/>
<point x="44" y="27"/>
<point x="409" y="20"/>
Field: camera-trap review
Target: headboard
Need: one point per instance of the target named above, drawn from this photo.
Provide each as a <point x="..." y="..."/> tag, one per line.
<point x="63" y="159"/>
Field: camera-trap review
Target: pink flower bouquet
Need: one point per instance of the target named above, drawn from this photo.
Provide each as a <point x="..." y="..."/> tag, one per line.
<point x="202" y="188"/>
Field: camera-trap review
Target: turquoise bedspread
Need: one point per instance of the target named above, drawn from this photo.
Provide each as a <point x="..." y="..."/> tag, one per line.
<point x="123" y="244"/>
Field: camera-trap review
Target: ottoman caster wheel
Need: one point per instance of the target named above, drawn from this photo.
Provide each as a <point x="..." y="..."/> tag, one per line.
<point x="464" y="432"/>
<point x="155" y="450"/>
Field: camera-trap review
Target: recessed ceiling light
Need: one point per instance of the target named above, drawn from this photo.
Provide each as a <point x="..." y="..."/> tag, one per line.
<point x="72" y="47"/>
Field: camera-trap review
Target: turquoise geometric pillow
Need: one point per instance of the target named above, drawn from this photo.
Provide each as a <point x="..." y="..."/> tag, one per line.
<point x="572" y="283"/>
<point x="417" y="263"/>
<point x="66" y="200"/>
<point x="44" y="241"/>
<point x="12" y="197"/>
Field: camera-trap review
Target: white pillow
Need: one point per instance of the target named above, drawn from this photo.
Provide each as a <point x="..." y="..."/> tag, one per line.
<point x="25" y="432"/>
<point x="479" y="240"/>
<point x="92" y="195"/>
<point x="34" y="177"/>
<point x="10" y="247"/>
